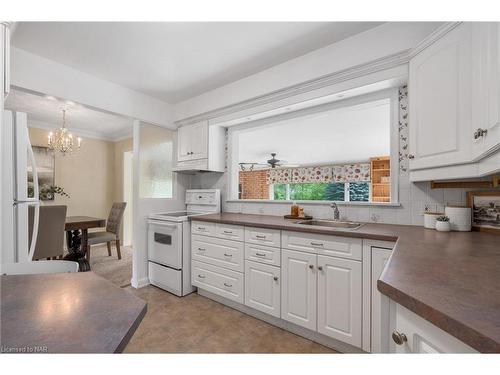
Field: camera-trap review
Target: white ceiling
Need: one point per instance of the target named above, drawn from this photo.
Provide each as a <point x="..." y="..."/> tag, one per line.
<point x="349" y="134"/>
<point x="46" y="112"/>
<point x="174" y="61"/>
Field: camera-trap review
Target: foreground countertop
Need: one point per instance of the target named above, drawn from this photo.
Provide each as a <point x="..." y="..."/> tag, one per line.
<point x="66" y="313"/>
<point x="450" y="279"/>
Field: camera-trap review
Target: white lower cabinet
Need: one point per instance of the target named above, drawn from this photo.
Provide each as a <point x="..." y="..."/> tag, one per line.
<point x="313" y="281"/>
<point x="340" y="299"/>
<point x="413" y="334"/>
<point x="380" y="303"/>
<point x="298" y="293"/>
<point x="262" y="287"/>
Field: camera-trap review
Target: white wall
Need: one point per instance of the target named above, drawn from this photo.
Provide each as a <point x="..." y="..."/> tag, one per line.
<point x="32" y="72"/>
<point x="370" y="45"/>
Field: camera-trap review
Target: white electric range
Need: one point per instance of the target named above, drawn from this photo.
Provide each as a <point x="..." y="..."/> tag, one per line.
<point x="169" y="241"/>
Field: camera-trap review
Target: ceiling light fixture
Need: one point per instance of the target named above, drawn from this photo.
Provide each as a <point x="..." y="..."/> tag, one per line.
<point x="62" y="140"/>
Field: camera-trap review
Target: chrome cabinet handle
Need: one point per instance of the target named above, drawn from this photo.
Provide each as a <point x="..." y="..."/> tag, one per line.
<point x="228" y="285"/>
<point x="316" y="244"/>
<point x="228" y="255"/>
<point x="201" y="249"/>
<point x="311" y="266"/>
<point x="201" y="276"/>
<point x="260" y="255"/>
<point x="320" y="268"/>
<point x="263" y="237"/>
<point x="399" y="338"/>
<point x="201" y="228"/>
<point x="228" y="232"/>
<point x="275" y="278"/>
<point x="480" y="133"/>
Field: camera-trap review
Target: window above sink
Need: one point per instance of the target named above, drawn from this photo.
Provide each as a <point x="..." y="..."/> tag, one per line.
<point x="345" y="151"/>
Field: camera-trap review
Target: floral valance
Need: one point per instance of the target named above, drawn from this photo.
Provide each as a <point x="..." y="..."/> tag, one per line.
<point x="358" y="172"/>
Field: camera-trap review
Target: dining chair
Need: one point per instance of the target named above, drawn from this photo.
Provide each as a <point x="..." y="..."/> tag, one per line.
<point x="112" y="232"/>
<point x="50" y="238"/>
<point x="43" y="266"/>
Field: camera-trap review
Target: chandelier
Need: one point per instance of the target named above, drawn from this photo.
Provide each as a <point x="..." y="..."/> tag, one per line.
<point x="62" y="140"/>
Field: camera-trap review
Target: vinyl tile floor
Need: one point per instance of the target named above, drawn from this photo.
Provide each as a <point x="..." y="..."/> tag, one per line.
<point x="196" y="324"/>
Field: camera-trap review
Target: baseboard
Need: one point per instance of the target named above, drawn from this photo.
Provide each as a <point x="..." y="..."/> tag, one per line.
<point x="141" y="283"/>
<point x="283" y="324"/>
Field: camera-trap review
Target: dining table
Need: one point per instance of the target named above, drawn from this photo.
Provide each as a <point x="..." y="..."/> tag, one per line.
<point x="76" y="228"/>
<point x="77" y="312"/>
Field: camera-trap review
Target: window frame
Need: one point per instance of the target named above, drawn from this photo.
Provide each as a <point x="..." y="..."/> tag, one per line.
<point x="235" y="131"/>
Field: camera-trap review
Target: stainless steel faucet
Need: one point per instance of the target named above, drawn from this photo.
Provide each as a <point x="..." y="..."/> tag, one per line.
<point x="336" y="212"/>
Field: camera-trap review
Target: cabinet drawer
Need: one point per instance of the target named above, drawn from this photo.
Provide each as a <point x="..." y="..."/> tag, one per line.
<point x="263" y="254"/>
<point x="262" y="236"/>
<point x="219" y="281"/>
<point x="222" y="253"/>
<point x="200" y="227"/>
<point x="165" y="278"/>
<point x="230" y="232"/>
<point x="343" y="247"/>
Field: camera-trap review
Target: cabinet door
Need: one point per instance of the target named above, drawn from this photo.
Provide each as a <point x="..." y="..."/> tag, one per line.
<point x="486" y="88"/>
<point x="184" y="143"/>
<point x="192" y="142"/>
<point x="340" y="299"/>
<point x="440" y="86"/>
<point x="424" y="337"/>
<point x="298" y="293"/>
<point x="199" y="141"/>
<point x="380" y="304"/>
<point x="262" y="287"/>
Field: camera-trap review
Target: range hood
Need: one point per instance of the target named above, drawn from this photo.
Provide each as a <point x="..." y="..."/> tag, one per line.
<point x="195" y="166"/>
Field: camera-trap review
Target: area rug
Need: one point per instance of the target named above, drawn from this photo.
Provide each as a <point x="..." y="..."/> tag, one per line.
<point x="119" y="272"/>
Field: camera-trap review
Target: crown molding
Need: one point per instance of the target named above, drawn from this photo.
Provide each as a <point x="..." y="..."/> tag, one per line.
<point x="433" y="37"/>
<point x="373" y="66"/>
<point x="377" y="65"/>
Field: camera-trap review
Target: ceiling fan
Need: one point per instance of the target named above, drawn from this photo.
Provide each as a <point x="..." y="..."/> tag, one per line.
<point x="272" y="163"/>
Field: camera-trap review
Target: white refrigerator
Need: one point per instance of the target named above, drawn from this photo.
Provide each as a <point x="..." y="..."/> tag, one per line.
<point x="19" y="173"/>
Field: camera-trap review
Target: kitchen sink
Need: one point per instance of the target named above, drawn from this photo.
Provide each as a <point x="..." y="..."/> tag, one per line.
<point x="331" y="224"/>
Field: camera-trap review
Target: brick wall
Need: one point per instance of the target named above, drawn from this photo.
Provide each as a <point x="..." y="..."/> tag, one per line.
<point x="253" y="185"/>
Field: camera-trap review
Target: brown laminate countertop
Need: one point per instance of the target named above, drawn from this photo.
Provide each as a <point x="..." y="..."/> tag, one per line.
<point x="450" y="279"/>
<point x="66" y="313"/>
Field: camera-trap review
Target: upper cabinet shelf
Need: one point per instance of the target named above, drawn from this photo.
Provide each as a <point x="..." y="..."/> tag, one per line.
<point x="454" y="87"/>
<point x="200" y="147"/>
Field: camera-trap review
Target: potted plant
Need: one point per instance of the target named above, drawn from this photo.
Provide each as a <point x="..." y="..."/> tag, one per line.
<point x="47" y="192"/>
<point x="443" y="224"/>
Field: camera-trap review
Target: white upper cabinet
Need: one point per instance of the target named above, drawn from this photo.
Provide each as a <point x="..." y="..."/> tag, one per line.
<point x="200" y="147"/>
<point x="454" y="105"/>
<point x="440" y="94"/>
<point x="193" y="142"/>
<point x="339" y="299"/>
<point x="486" y="88"/>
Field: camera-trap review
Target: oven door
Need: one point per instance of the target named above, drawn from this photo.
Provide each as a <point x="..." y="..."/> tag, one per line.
<point x="165" y="243"/>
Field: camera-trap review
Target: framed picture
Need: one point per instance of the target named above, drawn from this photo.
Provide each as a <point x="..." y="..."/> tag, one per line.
<point x="45" y="162"/>
<point x="485" y="210"/>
